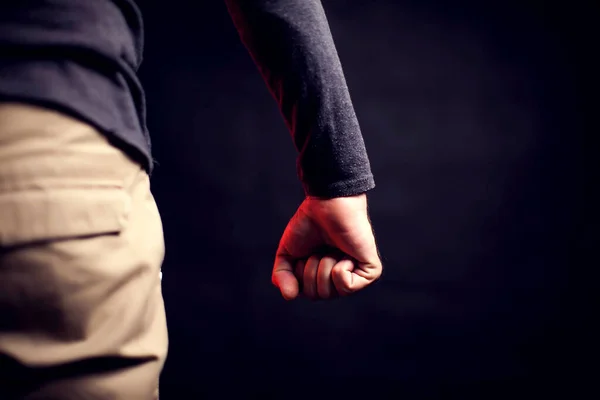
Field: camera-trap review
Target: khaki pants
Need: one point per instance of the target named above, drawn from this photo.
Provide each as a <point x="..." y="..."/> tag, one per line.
<point x="81" y="245"/>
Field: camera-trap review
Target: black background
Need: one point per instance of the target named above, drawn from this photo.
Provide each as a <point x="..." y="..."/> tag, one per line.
<point x="477" y="119"/>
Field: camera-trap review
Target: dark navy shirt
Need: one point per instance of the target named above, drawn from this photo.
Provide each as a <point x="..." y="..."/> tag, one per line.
<point x="81" y="57"/>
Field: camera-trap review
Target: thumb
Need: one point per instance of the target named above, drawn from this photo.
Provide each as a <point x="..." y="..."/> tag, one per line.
<point x="283" y="277"/>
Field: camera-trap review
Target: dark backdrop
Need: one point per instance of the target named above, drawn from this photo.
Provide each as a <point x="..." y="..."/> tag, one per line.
<point x="475" y="119"/>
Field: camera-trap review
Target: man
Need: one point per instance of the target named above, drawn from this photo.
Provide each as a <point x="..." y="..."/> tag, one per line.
<point x="81" y="240"/>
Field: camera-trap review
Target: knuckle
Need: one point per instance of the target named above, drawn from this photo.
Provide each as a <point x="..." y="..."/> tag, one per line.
<point x="314" y="260"/>
<point x="330" y="258"/>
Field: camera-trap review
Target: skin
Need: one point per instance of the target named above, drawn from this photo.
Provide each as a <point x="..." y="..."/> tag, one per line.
<point x="327" y="250"/>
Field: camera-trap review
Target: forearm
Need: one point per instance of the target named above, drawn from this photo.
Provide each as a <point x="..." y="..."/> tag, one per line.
<point x="292" y="46"/>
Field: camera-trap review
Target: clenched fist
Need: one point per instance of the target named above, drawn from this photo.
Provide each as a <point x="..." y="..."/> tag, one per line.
<point x="327" y="250"/>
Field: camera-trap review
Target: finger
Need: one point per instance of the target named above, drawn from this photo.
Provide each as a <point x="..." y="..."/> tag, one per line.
<point x="362" y="249"/>
<point x="310" y="277"/>
<point x="369" y="271"/>
<point x="358" y="243"/>
<point x="299" y="273"/>
<point x="325" y="288"/>
<point x="346" y="280"/>
<point x="283" y="277"/>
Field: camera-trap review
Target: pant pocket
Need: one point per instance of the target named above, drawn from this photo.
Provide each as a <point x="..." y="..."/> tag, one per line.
<point x="41" y="214"/>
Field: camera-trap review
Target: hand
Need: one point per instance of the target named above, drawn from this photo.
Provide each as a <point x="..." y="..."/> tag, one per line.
<point x="327" y="249"/>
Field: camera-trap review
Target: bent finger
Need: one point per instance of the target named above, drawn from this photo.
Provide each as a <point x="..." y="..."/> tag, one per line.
<point x="325" y="287"/>
<point x="346" y="280"/>
<point x="299" y="274"/>
<point x="283" y="278"/>
<point x="310" y="277"/>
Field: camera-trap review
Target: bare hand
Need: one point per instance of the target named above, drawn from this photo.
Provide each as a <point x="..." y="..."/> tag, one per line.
<point x="327" y="249"/>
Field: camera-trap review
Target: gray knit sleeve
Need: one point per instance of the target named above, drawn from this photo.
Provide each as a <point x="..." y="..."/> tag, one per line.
<point x="292" y="46"/>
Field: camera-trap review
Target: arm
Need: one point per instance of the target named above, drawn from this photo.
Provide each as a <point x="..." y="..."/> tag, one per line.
<point x="292" y="46"/>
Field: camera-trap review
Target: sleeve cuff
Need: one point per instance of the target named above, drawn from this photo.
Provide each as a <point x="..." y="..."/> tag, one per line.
<point x="345" y="188"/>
